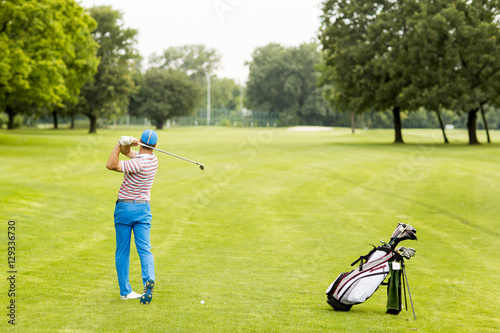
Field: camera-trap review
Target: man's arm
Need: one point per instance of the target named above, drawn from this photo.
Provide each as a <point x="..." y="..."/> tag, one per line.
<point x="114" y="159"/>
<point x="123" y="146"/>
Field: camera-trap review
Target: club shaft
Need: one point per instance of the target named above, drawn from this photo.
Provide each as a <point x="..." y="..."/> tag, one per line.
<point x="166" y="152"/>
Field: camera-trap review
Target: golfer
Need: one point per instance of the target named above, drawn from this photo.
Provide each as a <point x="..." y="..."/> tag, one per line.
<point x="133" y="211"/>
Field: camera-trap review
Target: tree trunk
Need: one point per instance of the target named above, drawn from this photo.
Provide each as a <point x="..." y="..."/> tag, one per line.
<point x="485" y="124"/>
<point x="54" y="115"/>
<point x="93" y="124"/>
<point x="397" y="125"/>
<point x="159" y="123"/>
<point x="353" y="122"/>
<point x="442" y="126"/>
<point x="73" y="115"/>
<point x="12" y="114"/>
<point x="471" y="127"/>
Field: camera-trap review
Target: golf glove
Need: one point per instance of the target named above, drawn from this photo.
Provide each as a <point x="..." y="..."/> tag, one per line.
<point x="406" y="252"/>
<point x="125" y="141"/>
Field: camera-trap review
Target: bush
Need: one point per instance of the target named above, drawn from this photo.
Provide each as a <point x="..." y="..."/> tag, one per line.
<point x="3" y="119"/>
<point x="18" y="120"/>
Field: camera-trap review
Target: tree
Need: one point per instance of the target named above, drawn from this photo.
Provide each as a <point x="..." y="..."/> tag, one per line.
<point x="478" y="71"/>
<point x="225" y="93"/>
<point x="454" y="49"/>
<point x="426" y="60"/>
<point x="366" y="55"/>
<point x="107" y="95"/>
<point x="135" y="98"/>
<point x="166" y="93"/>
<point x="388" y="37"/>
<point x="194" y="60"/>
<point x="349" y="78"/>
<point x="284" y="80"/>
<point x="46" y="53"/>
<point x="410" y="54"/>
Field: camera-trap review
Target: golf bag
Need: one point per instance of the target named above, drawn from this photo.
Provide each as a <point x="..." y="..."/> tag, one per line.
<point x="357" y="286"/>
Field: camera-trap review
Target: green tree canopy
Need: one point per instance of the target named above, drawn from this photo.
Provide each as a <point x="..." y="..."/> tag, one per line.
<point x="46" y="53"/>
<point x="196" y="60"/>
<point x="364" y="49"/>
<point x="409" y="54"/>
<point x="453" y="50"/>
<point x="283" y="79"/>
<point x="166" y="93"/>
<point x="107" y="95"/>
<point x="225" y="93"/>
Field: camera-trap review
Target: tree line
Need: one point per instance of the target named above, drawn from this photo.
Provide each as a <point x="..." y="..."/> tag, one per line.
<point x="61" y="59"/>
<point x="412" y="54"/>
<point x="377" y="63"/>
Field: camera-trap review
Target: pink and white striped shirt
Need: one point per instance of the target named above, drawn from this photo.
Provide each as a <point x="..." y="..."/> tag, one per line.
<point x="139" y="175"/>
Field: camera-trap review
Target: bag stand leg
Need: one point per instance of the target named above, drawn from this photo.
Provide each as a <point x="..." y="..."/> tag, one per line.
<point x="409" y="293"/>
<point x="404" y="291"/>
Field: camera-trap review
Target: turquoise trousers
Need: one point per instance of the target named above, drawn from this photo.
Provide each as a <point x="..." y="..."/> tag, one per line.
<point x="136" y="218"/>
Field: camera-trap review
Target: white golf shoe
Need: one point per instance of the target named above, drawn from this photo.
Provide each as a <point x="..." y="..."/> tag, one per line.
<point x="132" y="295"/>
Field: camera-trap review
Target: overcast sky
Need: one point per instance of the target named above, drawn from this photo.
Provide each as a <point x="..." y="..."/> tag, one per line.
<point x="233" y="27"/>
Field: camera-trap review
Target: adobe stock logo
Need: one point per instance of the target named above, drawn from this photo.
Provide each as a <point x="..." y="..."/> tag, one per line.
<point x="222" y="7"/>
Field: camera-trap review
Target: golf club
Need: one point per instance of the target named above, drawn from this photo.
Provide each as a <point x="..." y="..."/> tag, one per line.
<point x="406" y="227"/>
<point x="165" y="152"/>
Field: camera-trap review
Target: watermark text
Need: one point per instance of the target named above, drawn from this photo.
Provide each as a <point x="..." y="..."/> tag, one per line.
<point x="11" y="272"/>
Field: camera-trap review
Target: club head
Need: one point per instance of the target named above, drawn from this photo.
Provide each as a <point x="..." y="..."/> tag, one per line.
<point x="202" y="167"/>
<point x="403" y="232"/>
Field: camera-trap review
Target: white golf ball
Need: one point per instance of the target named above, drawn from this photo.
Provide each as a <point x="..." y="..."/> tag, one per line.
<point x="202" y="302"/>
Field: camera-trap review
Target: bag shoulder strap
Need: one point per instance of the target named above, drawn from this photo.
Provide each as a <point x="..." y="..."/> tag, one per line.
<point x="365" y="258"/>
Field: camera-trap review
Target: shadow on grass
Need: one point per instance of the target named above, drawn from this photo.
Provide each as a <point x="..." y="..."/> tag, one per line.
<point x="427" y="145"/>
<point x="357" y="310"/>
<point x="420" y="203"/>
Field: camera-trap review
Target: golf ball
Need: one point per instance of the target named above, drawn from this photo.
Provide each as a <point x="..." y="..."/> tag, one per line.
<point x="202" y="302"/>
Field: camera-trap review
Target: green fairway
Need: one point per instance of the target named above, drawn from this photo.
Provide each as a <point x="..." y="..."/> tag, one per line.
<point x="258" y="236"/>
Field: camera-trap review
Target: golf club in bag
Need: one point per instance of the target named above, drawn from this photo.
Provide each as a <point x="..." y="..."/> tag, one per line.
<point x="357" y="286"/>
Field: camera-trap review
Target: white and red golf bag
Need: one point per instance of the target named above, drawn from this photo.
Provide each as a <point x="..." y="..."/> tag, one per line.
<point x="357" y="286"/>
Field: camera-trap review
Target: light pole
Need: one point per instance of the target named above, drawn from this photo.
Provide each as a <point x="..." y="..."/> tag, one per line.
<point x="208" y="99"/>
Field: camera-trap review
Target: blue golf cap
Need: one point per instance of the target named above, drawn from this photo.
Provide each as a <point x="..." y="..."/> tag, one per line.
<point x="149" y="137"/>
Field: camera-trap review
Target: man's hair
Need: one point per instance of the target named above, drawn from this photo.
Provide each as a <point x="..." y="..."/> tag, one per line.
<point x="147" y="148"/>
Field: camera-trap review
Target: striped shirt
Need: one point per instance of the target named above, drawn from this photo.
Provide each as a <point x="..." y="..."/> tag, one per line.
<point x="139" y="175"/>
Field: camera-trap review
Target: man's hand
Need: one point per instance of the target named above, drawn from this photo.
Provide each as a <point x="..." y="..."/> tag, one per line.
<point x="135" y="142"/>
<point x="125" y="143"/>
<point x="128" y="141"/>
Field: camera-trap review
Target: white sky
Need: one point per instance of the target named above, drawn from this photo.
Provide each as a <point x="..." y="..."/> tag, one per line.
<point x="233" y="27"/>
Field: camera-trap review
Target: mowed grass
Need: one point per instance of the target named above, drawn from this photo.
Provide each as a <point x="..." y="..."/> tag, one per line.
<point x="258" y="236"/>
